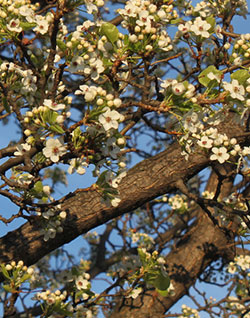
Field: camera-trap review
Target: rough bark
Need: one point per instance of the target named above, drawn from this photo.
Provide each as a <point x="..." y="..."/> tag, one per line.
<point x="147" y="180"/>
<point x="201" y="245"/>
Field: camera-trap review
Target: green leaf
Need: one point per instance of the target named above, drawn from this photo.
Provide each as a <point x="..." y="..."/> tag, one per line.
<point x="56" y="128"/>
<point x="163" y="293"/>
<point x="241" y="76"/>
<point x="49" y="116"/>
<point x="107" y="62"/>
<point x="8" y="288"/>
<point x="95" y="113"/>
<point x="126" y="40"/>
<point x="6" y="104"/>
<point x="4" y="271"/>
<point x="63" y="311"/>
<point x="204" y="80"/>
<point x="40" y="158"/>
<point x="142" y="256"/>
<point x="38" y="186"/>
<point x="34" y="59"/>
<point x="211" y="21"/>
<point x="24" y="278"/>
<point x="62" y="46"/>
<point x="102" y="178"/>
<point x="110" y="31"/>
<point x="175" y="21"/>
<point x="74" y="271"/>
<point x="162" y="282"/>
<point x="27" y="25"/>
<point x="76" y="133"/>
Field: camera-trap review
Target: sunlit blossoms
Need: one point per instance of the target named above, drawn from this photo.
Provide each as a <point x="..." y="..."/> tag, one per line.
<point x="53" y="105"/>
<point x="54" y="149"/>
<point x="77" y="165"/>
<point x="21" y="149"/>
<point x="110" y="119"/>
<point x="82" y="283"/>
<point x="77" y="64"/>
<point x="14" y="26"/>
<point x="200" y="27"/>
<point x="219" y="154"/>
<point x="89" y="92"/>
<point x="42" y="25"/>
<point x="236" y="90"/>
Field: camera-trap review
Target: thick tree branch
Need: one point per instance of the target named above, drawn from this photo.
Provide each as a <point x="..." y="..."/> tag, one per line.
<point x="147" y="180"/>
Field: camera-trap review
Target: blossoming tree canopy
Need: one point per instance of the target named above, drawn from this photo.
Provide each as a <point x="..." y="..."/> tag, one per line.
<point x="95" y="86"/>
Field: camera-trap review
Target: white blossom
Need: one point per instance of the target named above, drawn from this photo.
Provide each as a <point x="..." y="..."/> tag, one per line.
<point x="42" y="24"/>
<point x="21" y="149"/>
<point x="200" y="27"/>
<point x="81" y="283"/>
<point x="235" y="89"/>
<point x="53" y="105"/>
<point x="135" y="292"/>
<point x="89" y="92"/>
<point x="205" y="142"/>
<point x="110" y="119"/>
<point x="78" y="165"/>
<point x="54" y="149"/>
<point x="76" y="65"/>
<point x="14" y="26"/>
<point x="219" y="154"/>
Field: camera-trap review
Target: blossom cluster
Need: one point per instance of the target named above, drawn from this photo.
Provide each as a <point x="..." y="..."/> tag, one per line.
<point x="178" y="202"/>
<point x="52" y="222"/>
<point x="240" y="267"/>
<point x="64" y="301"/>
<point x="237" y="306"/>
<point x="20" y="15"/>
<point x="145" y="22"/>
<point x="241" y="49"/>
<point x="85" y="50"/>
<point x="241" y="262"/>
<point x="142" y="239"/>
<point x="207" y="8"/>
<point x="15" y="274"/>
<point x="199" y="27"/>
<point x="201" y="24"/>
<point x="11" y="72"/>
<point x="188" y="312"/>
<point x="217" y="145"/>
<point x="89" y="54"/>
<point x="51" y="298"/>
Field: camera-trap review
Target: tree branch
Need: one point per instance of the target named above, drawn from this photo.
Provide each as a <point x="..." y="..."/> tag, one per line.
<point x="147" y="180"/>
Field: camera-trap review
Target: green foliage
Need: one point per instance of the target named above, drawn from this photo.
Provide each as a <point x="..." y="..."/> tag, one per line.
<point x="241" y="76"/>
<point x="6" y="104"/>
<point x="27" y="26"/>
<point x="49" y="121"/>
<point x="205" y="80"/>
<point x="78" y="138"/>
<point x="153" y="273"/>
<point x="110" y="31"/>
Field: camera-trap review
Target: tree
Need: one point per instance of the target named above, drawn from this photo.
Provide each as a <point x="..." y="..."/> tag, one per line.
<point x="162" y="82"/>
